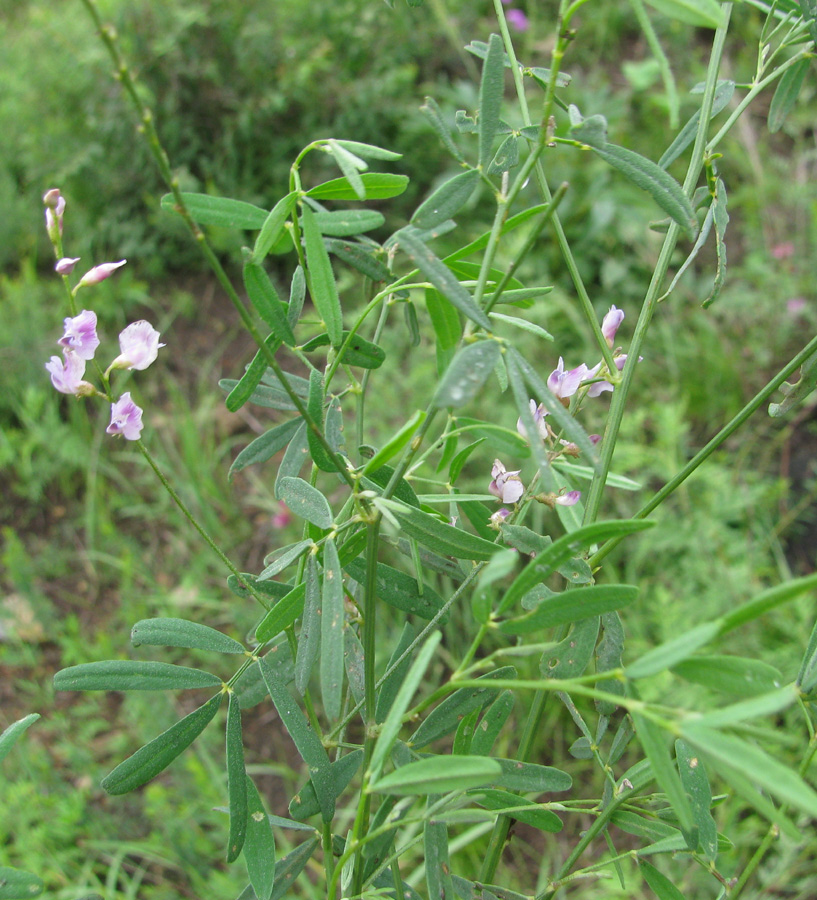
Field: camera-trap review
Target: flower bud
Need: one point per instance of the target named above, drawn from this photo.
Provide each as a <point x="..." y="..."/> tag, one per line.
<point x="65" y="266"/>
<point x="100" y="273"/>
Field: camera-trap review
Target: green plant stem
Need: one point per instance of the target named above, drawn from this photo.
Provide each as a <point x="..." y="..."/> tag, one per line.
<point x="109" y="38"/>
<point x="197" y="525"/>
<point x="723" y="435"/>
<point x="620" y="395"/>
<point x="661" y="57"/>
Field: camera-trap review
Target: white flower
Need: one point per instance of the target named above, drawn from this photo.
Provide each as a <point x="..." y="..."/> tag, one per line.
<point x="139" y="343"/>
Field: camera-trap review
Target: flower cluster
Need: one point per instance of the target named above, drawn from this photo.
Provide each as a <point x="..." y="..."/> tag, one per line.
<point x="516" y="18"/>
<point x="138" y="343"/>
<point x="563" y="383"/>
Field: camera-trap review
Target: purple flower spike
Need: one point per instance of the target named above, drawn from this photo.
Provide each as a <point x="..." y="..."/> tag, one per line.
<point x="126" y="418"/>
<point x="100" y="273"/>
<point x="65" y="266"/>
<point x="66" y="375"/>
<point x="571" y="498"/>
<point x="565" y="384"/>
<point x="139" y="343"/>
<point x="80" y="335"/>
<point x="610" y="324"/>
<point x="517" y="19"/>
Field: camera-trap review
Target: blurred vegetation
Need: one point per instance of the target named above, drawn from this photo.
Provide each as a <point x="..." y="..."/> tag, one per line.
<point x="90" y="543"/>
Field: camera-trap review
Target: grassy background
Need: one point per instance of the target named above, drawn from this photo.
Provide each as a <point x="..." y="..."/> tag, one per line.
<point x="237" y="90"/>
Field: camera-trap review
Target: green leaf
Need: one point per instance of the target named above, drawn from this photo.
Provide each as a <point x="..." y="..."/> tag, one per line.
<point x="438" y="775"/>
<point x="609" y="651"/>
<point x="236" y="780"/>
<point x="660" y="885"/>
<point x="378" y="186"/>
<point x="643" y="172"/>
<point x="441" y="277"/>
<point x="306" y="501"/>
<point x="315" y="409"/>
<point x="12" y="734"/>
<point x="531" y="777"/>
<point x="506" y="157"/>
<point x="332" y="621"/>
<point x="499" y="567"/>
<point x="571" y="606"/>
<point x="491" y="89"/>
<point x="297" y="295"/>
<point x="265" y="446"/>
<point x="132" y="675"/>
<point x="796" y="393"/>
<point x="432" y="112"/>
<point x="503" y="439"/>
<point x="438" y="536"/>
<point x="16" y="884"/>
<point x="308" y="744"/>
<point x="182" y="633"/>
<point x="259" y="847"/>
<point x="445" y="717"/>
<point x="437" y="862"/>
<point x="285" y="558"/>
<point x="357" y="351"/>
<point x="394" y="719"/>
<point x="754" y="764"/>
<point x="548" y="561"/>
<point x="766" y="602"/>
<point x="247" y="388"/>
<point x="762" y="705"/>
<point x="395" y="443"/>
<point x="227" y="213"/>
<point x="360" y="258"/>
<point x="673" y="651"/>
<point x="155" y="757"/>
<point x="807" y="676"/>
<point x="652" y="741"/>
<point x="379" y="478"/>
<point x="696" y="784"/>
<point x="447" y="200"/>
<point x="571" y="656"/>
<point x="296" y="454"/>
<point x="530" y="327"/>
<point x="273" y="226"/>
<point x="348" y="222"/>
<point x="445" y="320"/>
<point x="267" y="303"/>
<point x="467" y="373"/>
<point x="289" y="868"/>
<point x="492" y="723"/>
<point x="455" y="469"/>
<point x="397" y="667"/>
<point x="739" y="675"/>
<point x="322" y="284"/>
<point x="368" y="151"/>
<point x="309" y="640"/>
<point x="586" y="474"/>
<point x="400" y="590"/>
<point x="273" y="589"/>
<point x="350" y="165"/>
<point x="702" y="13"/>
<point x="506" y="803"/>
<point x="305" y="803"/>
<point x="723" y="94"/>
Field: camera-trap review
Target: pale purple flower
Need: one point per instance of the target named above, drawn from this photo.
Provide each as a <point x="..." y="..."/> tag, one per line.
<point x="610" y="324"/>
<point x="66" y="374"/>
<point x="139" y="343"/>
<point x="795" y="306"/>
<point x="65" y="266"/>
<point x="126" y="418"/>
<point x="517" y="19"/>
<point x="100" y="273"/>
<point x="80" y="335"/>
<point x="506" y="486"/>
<point x="784" y="250"/>
<point x="571" y="498"/>
<point x="564" y="384"/>
<point x="54" y="209"/>
<point x="538" y="412"/>
<point x="598" y="387"/>
<point x="499" y="517"/>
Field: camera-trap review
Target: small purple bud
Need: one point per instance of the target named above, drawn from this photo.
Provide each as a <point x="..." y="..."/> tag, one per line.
<point x="571" y="498"/>
<point x="610" y="324"/>
<point x="66" y="375"/>
<point x="499" y="517"/>
<point x="100" y="273"/>
<point x="54" y="209"/>
<point x="80" y="335"/>
<point x="126" y="418"/>
<point x="65" y="266"/>
<point x="517" y="19"/>
<point x="139" y="343"/>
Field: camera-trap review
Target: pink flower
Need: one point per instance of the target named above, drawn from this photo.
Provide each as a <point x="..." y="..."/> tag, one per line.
<point x="517" y="19"/>
<point x="499" y="517"/>
<point x="784" y="250"/>
<point x="139" y="343"/>
<point x="564" y="384"/>
<point x="100" y="273"/>
<point x="65" y="266"/>
<point x="795" y="306"/>
<point x="283" y="517"/>
<point x="126" y="418"/>
<point x="610" y="324"/>
<point x="54" y="209"/>
<point x="598" y="387"/>
<point x="80" y="335"/>
<point x="66" y="375"/>
<point x="538" y="412"/>
<point x="507" y="487"/>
